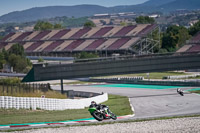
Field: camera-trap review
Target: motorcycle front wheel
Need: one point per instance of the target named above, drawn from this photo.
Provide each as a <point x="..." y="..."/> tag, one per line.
<point x="98" y="116"/>
<point x="113" y="116"/>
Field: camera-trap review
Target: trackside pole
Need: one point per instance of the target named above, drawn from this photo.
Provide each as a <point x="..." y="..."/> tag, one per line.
<point x="61" y="84"/>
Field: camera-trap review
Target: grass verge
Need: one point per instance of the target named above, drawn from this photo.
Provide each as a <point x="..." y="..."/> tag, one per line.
<point x="196" y="91"/>
<point x="118" y="105"/>
<point x="154" y="75"/>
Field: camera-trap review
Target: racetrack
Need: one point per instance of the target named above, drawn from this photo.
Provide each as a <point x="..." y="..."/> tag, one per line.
<point x="148" y="102"/>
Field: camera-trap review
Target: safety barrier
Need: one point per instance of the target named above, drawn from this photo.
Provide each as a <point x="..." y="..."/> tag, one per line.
<point x="181" y="76"/>
<point x="123" y="78"/>
<point x="48" y="103"/>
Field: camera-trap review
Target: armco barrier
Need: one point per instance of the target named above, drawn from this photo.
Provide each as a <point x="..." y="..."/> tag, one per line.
<point x="49" y="103"/>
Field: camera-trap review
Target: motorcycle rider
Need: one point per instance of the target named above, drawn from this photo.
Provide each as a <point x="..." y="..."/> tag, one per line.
<point x="100" y="107"/>
<point x="179" y="91"/>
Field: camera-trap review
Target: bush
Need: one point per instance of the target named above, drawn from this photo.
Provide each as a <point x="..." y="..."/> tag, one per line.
<point x="10" y="81"/>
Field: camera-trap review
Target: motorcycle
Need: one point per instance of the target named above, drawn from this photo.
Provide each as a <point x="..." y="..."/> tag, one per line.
<point x="180" y="92"/>
<point x="102" y="114"/>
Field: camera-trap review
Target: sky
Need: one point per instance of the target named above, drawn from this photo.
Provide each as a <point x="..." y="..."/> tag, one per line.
<point x="7" y="6"/>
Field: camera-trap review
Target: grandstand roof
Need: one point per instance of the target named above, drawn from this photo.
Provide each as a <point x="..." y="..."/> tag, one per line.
<point x="79" y="39"/>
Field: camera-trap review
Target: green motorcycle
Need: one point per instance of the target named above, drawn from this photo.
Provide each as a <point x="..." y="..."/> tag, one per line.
<point x="101" y="114"/>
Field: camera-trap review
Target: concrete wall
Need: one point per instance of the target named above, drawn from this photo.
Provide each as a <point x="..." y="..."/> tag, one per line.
<point x="49" y="103"/>
<point x="145" y="82"/>
<point x="118" y="66"/>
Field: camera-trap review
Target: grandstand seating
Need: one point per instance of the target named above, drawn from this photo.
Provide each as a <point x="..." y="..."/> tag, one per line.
<point x="12" y="38"/>
<point x="117" y="44"/>
<point x="40" y="35"/>
<point x="33" y="46"/>
<point x="80" y="33"/>
<point x="91" y="32"/>
<point x="73" y="45"/>
<point x="125" y="30"/>
<point x="27" y="44"/>
<point x="8" y="36"/>
<point x="129" y="43"/>
<point x="196" y="38"/>
<point x="194" y="48"/>
<point x="83" y="45"/>
<point x="63" y="45"/>
<point x="52" y="46"/>
<point x="79" y="39"/>
<point x="184" y="48"/>
<point x="60" y="34"/>
<point x="95" y="44"/>
<point x="146" y="30"/>
<point x="106" y="44"/>
<point x="7" y="47"/>
<point x="29" y="38"/>
<point x="42" y="46"/>
<point x="22" y="36"/>
<point x="136" y="30"/>
<point x="3" y="44"/>
<point x="113" y="31"/>
<point x="102" y="32"/>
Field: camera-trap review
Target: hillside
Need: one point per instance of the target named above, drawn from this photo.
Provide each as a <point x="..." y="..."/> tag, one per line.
<point x="37" y="13"/>
<point x="181" y="4"/>
<point x="52" y="11"/>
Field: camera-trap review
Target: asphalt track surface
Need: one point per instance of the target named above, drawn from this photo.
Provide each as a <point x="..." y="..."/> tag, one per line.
<point x="147" y="101"/>
<point x="150" y="103"/>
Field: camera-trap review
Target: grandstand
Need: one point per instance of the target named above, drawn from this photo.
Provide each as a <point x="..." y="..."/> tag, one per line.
<point x="193" y="45"/>
<point x="98" y="39"/>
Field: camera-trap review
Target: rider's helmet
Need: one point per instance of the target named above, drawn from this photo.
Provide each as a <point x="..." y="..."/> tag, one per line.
<point x="93" y="103"/>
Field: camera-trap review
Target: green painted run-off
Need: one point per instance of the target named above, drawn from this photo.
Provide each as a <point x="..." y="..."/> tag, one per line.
<point x="139" y="86"/>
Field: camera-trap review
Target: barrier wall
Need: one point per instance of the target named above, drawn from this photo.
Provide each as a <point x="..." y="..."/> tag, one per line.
<point x="49" y="103"/>
<point x="195" y="83"/>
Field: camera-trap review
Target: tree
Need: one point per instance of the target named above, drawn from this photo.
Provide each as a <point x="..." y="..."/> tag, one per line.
<point x="17" y="62"/>
<point x="57" y="26"/>
<point x="17" y="49"/>
<point x="41" y="25"/>
<point x="144" y="20"/>
<point x="89" y="24"/>
<point x="2" y="60"/>
<point x="174" y="37"/>
<point x="195" y="28"/>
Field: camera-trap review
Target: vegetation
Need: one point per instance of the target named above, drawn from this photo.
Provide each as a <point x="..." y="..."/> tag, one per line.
<point x="10" y="81"/>
<point x="195" y="91"/>
<point x="195" y="28"/>
<point x="41" y="25"/>
<point x="73" y="22"/>
<point x="118" y="105"/>
<point x="154" y="75"/>
<point x="30" y="92"/>
<point x="86" y="55"/>
<point x="144" y="20"/>
<point x="89" y="24"/>
<point x="174" y="38"/>
<point x="15" y="57"/>
<point x="40" y="59"/>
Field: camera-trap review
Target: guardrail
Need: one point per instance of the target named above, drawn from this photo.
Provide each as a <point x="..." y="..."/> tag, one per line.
<point x="34" y="103"/>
